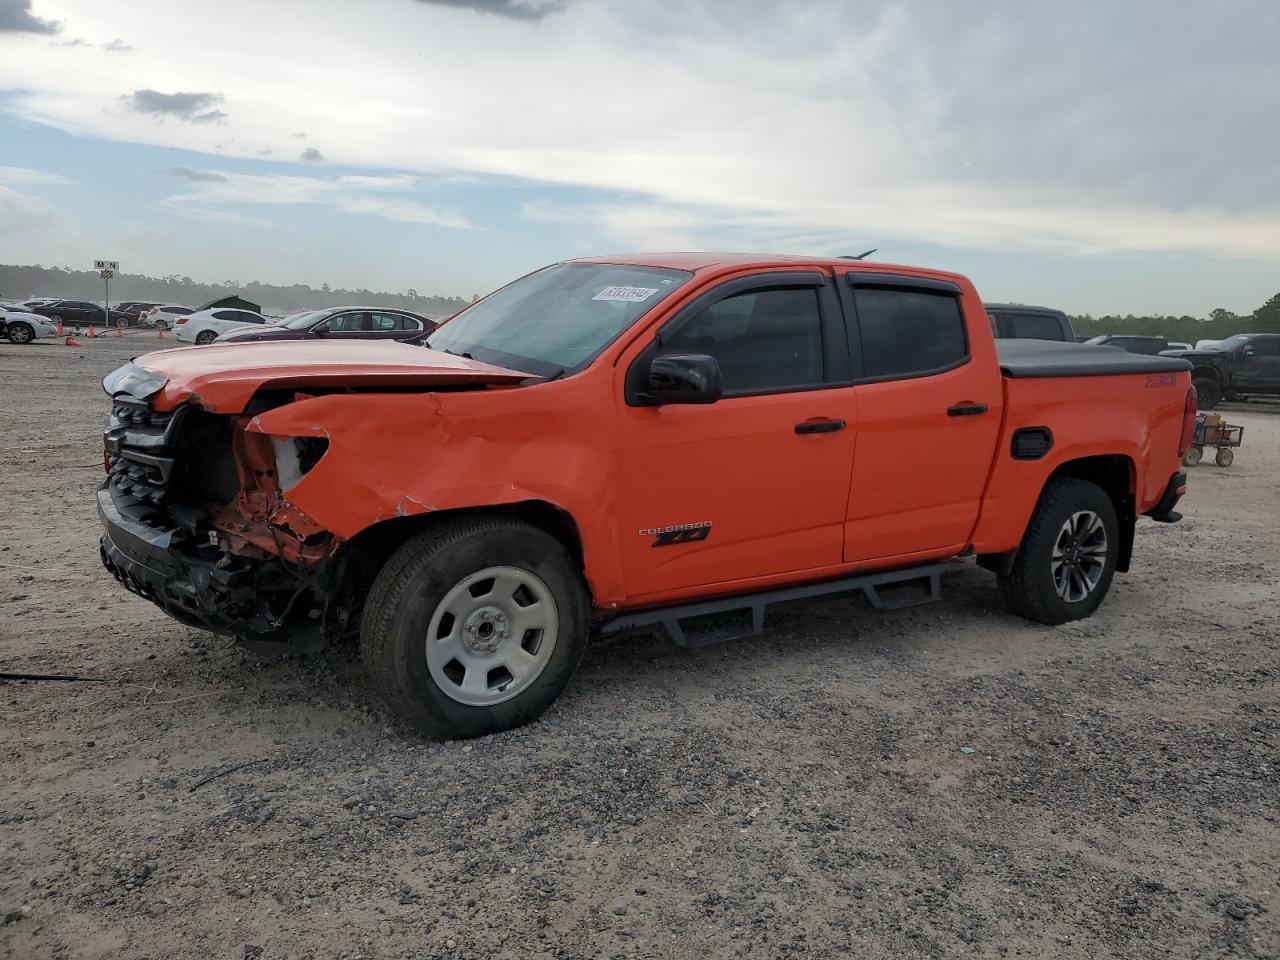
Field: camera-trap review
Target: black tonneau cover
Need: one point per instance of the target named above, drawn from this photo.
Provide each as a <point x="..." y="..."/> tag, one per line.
<point x="1049" y="358"/>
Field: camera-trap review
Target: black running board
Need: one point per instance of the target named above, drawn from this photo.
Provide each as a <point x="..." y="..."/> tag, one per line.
<point x="910" y="587"/>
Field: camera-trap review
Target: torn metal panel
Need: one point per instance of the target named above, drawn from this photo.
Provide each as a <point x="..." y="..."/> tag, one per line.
<point x="404" y="454"/>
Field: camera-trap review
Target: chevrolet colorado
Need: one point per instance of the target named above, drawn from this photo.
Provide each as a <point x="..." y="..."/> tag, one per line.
<point x="606" y="443"/>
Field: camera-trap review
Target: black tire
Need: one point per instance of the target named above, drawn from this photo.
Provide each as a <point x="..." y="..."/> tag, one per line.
<point x="1193" y="456"/>
<point x="18" y="332"/>
<point x="1208" y="392"/>
<point x="205" y="337"/>
<point x="1224" y="457"/>
<point x="1030" y="588"/>
<point x="414" y="582"/>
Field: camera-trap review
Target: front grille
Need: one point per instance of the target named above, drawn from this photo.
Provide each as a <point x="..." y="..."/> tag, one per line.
<point x="166" y="468"/>
<point x="136" y="441"/>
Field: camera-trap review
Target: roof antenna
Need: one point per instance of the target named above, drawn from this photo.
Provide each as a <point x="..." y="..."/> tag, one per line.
<point x="861" y="256"/>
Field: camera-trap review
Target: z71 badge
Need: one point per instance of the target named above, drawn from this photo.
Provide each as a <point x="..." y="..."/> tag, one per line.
<point x="672" y="534"/>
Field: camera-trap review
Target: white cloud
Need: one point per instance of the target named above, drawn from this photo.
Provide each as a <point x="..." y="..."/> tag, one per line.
<point x="30" y="232"/>
<point x="361" y="195"/>
<point x="1006" y="126"/>
<point x="26" y="177"/>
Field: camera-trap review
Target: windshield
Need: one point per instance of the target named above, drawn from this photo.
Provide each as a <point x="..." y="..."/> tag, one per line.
<point x="1229" y="344"/>
<point x="558" y="319"/>
<point x="300" y="321"/>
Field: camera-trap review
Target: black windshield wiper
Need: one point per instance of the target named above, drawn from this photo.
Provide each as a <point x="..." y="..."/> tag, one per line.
<point x="456" y="353"/>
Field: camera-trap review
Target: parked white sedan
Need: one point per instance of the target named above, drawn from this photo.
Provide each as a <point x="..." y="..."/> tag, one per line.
<point x="204" y="327"/>
<point x="23" y="327"/>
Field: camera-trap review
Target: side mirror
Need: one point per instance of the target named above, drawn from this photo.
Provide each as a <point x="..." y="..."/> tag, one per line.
<point x="321" y="329"/>
<point x="682" y="378"/>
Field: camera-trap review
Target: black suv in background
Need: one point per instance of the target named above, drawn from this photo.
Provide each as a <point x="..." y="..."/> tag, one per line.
<point x="1017" y="321"/>
<point x="1239" y="367"/>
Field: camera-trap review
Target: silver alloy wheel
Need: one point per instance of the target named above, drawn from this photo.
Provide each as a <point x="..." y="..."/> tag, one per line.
<point x="492" y="635"/>
<point x="1079" y="556"/>
<point x="20" y="333"/>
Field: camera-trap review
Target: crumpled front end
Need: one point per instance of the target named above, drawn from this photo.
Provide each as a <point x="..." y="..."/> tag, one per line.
<point x="195" y="519"/>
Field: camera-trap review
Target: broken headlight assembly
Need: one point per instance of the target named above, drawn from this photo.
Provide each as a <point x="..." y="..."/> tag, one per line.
<point x="295" y="456"/>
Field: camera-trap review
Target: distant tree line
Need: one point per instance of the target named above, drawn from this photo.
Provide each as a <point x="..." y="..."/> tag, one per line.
<point x="21" y="283"/>
<point x="1219" y="325"/>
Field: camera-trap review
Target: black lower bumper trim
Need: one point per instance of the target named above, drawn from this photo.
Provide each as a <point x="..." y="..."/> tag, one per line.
<point x="144" y="561"/>
<point x="1163" y="511"/>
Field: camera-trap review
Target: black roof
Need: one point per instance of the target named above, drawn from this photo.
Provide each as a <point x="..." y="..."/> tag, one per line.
<point x="1022" y="308"/>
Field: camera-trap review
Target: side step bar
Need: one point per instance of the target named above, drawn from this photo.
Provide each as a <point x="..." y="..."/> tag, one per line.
<point x="914" y="586"/>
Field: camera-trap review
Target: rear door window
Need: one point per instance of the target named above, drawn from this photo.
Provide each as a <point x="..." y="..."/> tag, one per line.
<point x="382" y="322"/>
<point x="908" y="333"/>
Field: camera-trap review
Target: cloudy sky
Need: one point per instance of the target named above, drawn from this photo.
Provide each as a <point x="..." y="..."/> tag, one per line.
<point x="1098" y="156"/>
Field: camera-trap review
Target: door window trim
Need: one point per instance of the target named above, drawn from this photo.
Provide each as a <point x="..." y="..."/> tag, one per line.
<point x="835" y="349"/>
<point x="906" y="284"/>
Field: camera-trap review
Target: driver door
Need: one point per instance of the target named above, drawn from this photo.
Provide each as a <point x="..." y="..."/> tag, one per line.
<point x="756" y="483"/>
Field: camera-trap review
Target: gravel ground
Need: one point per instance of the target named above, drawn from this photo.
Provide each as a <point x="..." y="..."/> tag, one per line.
<point x="941" y="781"/>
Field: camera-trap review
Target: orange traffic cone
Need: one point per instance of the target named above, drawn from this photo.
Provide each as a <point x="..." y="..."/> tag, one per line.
<point x="91" y="333"/>
<point x="58" y="329"/>
<point x="119" y="331"/>
<point x="160" y="331"/>
<point x="72" y="342"/>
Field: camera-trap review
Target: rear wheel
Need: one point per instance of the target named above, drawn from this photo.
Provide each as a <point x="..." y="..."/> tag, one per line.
<point x="1224" y="457"/>
<point x="1067" y="558"/>
<point x="20" y="333"/>
<point x="1208" y="392"/>
<point x="206" y="337"/>
<point x="1193" y="456"/>
<point x="475" y="626"/>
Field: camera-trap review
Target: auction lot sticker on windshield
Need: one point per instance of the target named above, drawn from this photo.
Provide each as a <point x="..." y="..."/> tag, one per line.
<point x="627" y="294"/>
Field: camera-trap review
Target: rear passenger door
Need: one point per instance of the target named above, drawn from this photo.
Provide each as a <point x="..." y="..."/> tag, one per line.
<point x="929" y="398"/>
<point x="756" y="483"/>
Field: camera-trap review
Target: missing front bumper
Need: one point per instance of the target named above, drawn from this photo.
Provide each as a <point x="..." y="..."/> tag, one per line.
<point x="235" y="596"/>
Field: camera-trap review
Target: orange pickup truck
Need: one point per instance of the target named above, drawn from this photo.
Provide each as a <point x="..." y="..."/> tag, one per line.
<point x="674" y="440"/>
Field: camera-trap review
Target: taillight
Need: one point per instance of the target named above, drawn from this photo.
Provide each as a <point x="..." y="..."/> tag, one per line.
<point x="1188" y="422"/>
<point x="182" y="320"/>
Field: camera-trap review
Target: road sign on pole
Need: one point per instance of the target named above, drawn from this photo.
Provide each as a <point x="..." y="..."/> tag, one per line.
<point x="107" y="270"/>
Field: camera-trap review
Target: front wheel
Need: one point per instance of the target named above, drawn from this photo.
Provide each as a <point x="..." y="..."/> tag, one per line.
<point x="474" y="626"/>
<point x="1224" y="457"/>
<point x="20" y="333"/>
<point x="1067" y="558"/>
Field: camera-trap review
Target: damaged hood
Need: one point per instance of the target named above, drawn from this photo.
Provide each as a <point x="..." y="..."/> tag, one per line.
<point x="223" y="377"/>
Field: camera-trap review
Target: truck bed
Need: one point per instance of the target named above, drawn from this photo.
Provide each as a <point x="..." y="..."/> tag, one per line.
<point x="1029" y="359"/>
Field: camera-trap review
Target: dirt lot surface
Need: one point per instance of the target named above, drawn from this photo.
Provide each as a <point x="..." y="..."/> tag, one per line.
<point x="941" y="781"/>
